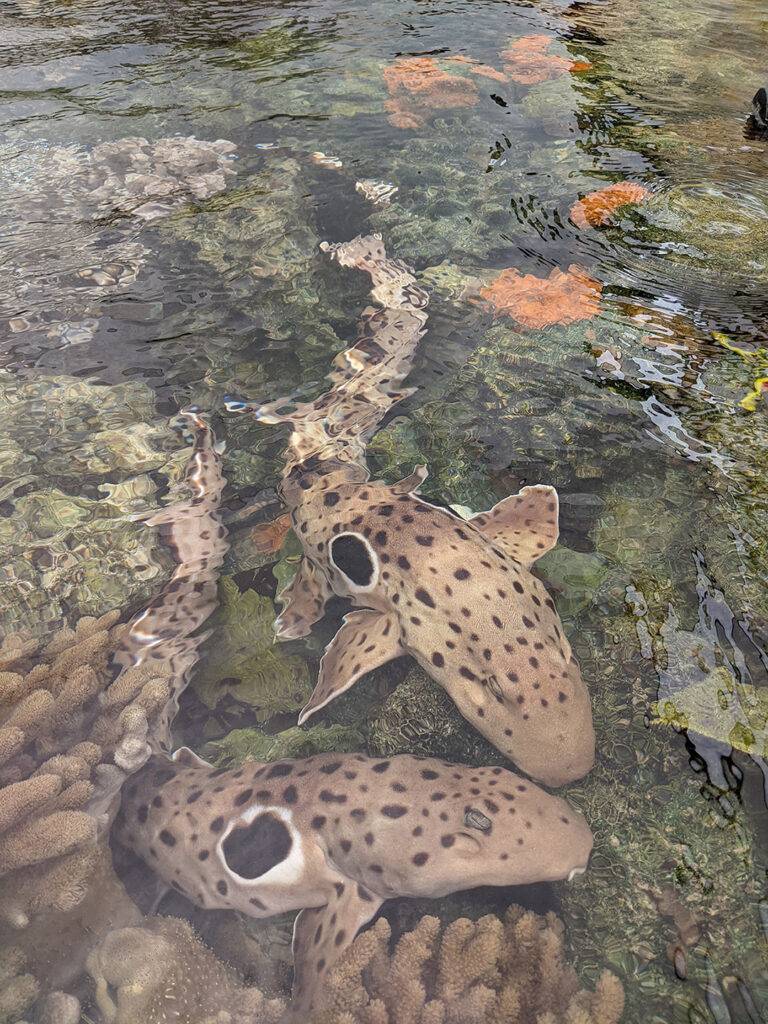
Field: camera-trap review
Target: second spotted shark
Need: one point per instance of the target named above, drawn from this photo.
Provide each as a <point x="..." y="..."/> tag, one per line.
<point x="458" y="596"/>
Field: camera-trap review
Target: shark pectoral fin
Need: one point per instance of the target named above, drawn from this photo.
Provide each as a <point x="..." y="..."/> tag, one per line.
<point x="322" y="934"/>
<point x="525" y="525"/>
<point x="366" y="640"/>
<point x="410" y="484"/>
<point x="303" y="602"/>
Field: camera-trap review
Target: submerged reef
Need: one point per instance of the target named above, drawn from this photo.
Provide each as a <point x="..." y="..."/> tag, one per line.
<point x="78" y="715"/>
<point x="159" y="971"/>
<point x="490" y="971"/>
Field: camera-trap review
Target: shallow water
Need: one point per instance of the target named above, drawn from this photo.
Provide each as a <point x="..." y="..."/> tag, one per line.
<point x="644" y="413"/>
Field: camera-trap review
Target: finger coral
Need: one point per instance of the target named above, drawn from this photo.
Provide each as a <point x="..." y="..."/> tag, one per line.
<point x="162" y="971"/>
<point x="417" y="85"/>
<point x="468" y="972"/>
<point x="561" y="298"/>
<point x="596" y="208"/>
<point x="528" y="61"/>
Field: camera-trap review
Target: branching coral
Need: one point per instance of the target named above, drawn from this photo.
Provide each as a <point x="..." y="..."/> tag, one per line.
<point x="470" y="972"/>
<point x="162" y="972"/>
<point x="561" y="298"/>
<point x="596" y="208"/>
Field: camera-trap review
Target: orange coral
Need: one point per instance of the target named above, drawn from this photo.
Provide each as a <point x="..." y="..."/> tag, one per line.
<point x="528" y="62"/>
<point x="418" y="83"/>
<point x="561" y="298"/>
<point x="269" y="537"/>
<point x="484" y="70"/>
<point x="596" y="208"/>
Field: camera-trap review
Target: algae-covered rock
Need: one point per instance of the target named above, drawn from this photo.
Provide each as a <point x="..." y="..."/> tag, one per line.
<point x="720" y="708"/>
<point x="420" y="716"/>
<point x="575" y="575"/>
<point x="244" y="659"/>
<point x="253" y="745"/>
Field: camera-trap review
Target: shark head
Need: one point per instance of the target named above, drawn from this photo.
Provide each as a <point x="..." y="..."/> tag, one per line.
<point x="461" y="599"/>
<point x="337" y="835"/>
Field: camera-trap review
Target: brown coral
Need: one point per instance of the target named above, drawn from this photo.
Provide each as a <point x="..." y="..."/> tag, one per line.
<point x="162" y="971"/>
<point x="560" y="298"/>
<point x="596" y="208"/>
<point x="417" y="85"/>
<point x="528" y="62"/>
<point x="469" y="972"/>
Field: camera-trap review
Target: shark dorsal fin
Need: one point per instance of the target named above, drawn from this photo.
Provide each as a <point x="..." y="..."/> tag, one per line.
<point x="366" y="640"/>
<point x="524" y="524"/>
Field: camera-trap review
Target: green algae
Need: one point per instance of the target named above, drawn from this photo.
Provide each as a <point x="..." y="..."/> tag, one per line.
<point x="245" y="661"/>
<point x="241" y="745"/>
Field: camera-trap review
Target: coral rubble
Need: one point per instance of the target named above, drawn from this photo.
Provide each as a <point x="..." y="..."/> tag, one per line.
<point x="469" y="972"/>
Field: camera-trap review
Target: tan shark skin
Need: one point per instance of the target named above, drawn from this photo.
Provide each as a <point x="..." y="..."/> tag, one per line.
<point x="337" y="835"/>
<point x="459" y="597"/>
<point x="463" y="604"/>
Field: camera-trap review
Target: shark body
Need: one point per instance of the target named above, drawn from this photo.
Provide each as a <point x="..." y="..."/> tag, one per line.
<point x="458" y="596"/>
<point x="334" y="836"/>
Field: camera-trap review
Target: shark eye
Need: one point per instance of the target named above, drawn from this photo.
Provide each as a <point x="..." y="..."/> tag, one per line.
<point x="252" y="850"/>
<point x="352" y="557"/>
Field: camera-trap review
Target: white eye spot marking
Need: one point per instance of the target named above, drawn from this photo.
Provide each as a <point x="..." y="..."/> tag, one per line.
<point x="356" y="560"/>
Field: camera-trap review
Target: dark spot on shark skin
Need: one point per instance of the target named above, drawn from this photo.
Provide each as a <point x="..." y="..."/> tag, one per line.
<point x="364" y="895"/>
<point x="381" y="538"/>
<point x="351" y="557"/>
<point x="467" y="673"/>
<point x="193" y="797"/>
<point x="252" y="850"/>
<point x="369" y="839"/>
<point x="394" y="810"/>
<point x="290" y="795"/>
<point x="242" y="797"/>
<point x="420" y="859"/>
<point x="339" y="887"/>
<point x="222" y="887"/>
<point x="318" y="821"/>
<point x="425" y="597"/>
<point x="340" y="937"/>
<point x="279" y="771"/>
<point x="332" y="798"/>
<point x="497" y="622"/>
<point x="217" y="824"/>
<point x="157" y="801"/>
<point x="167" y="838"/>
<point x="424" y="541"/>
<point x="403" y="562"/>
<point x="377" y="869"/>
<point x="381" y="767"/>
<point x="204" y="855"/>
<point x="161" y="777"/>
<point x="329" y="769"/>
<point x="386" y="510"/>
<point x="408" y="519"/>
<point x="462" y="574"/>
<point x="438" y="660"/>
<point x="448" y="841"/>
<point x="345" y="845"/>
<point x="331" y="499"/>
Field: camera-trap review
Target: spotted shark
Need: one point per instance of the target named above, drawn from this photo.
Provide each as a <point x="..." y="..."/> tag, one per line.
<point x="458" y="596"/>
<point x="334" y="836"/>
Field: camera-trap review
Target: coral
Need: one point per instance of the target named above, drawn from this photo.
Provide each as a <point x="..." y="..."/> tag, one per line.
<point x="560" y="298"/>
<point x="162" y="971"/>
<point x="418" y="83"/>
<point x="244" y="661"/>
<point x="527" y="61"/>
<point x="596" y="208"/>
<point x="468" y="972"/>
